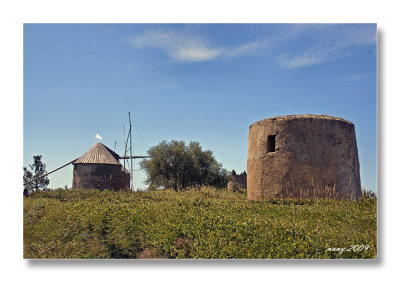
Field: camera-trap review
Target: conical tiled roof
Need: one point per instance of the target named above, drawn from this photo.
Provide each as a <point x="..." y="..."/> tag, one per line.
<point x="99" y="154"/>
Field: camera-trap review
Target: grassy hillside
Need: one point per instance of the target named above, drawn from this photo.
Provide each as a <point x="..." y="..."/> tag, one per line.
<point x="194" y="224"/>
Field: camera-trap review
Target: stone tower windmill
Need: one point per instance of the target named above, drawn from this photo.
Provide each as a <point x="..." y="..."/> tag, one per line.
<point x="100" y="168"/>
<point x="308" y="156"/>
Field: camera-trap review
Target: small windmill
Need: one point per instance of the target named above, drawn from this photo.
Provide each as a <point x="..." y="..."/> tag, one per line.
<point x="100" y="154"/>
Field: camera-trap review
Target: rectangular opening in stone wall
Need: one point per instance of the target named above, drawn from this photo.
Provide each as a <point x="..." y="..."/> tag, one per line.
<point x="271" y="143"/>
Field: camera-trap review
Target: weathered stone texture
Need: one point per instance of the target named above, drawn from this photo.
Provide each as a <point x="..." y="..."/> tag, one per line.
<point x="100" y="176"/>
<point x="314" y="157"/>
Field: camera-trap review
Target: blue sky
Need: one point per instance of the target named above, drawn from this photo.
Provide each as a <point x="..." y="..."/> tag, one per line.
<point x="204" y="83"/>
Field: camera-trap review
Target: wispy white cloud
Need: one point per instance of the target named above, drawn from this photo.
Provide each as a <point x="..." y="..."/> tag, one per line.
<point x="317" y="43"/>
<point x="357" y="77"/>
<point x="194" y="53"/>
<point x="98" y="137"/>
<point x="186" y="47"/>
<point x="247" y="48"/>
<point x="329" y="43"/>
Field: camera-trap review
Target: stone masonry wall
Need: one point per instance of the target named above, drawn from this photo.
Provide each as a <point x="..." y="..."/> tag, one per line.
<point x="100" y="176"/>
<point x="305" y="156"/>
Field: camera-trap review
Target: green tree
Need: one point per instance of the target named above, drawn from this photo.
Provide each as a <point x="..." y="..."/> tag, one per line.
<point x="33" y="180"/>
<point x="175" y="165"/>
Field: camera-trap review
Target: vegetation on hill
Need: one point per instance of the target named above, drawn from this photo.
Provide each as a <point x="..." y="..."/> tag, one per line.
<point x="174" y="164"/>
<point x="204" y="223"/>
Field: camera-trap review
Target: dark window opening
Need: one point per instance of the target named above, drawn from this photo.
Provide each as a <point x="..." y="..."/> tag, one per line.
<point x="271" y="143"/>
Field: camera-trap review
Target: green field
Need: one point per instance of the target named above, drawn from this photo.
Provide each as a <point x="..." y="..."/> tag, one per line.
<point x="205" y="223"/>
